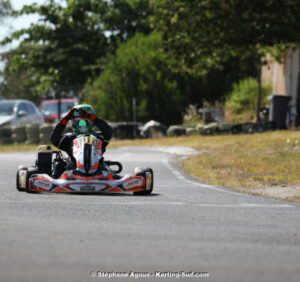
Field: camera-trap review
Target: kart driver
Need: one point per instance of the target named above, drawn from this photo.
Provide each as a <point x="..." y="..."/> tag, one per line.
<point x="83" y="118"/>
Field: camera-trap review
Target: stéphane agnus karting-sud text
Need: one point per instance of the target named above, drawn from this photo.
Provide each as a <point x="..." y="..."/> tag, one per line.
<point x="154" y="274"/>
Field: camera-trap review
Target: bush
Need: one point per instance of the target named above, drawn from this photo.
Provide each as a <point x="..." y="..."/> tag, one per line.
<point x="241" y="102"/>
<point x="140" y="69"/>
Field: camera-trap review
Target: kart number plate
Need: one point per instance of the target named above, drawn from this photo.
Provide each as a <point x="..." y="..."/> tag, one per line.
<point x="87" y="188"/>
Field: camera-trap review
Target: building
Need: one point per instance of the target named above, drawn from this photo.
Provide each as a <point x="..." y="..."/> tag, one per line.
<point x="285" y="79"/>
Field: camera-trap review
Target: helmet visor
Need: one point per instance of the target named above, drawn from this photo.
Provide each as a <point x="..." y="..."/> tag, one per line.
<point x="81" y="126"/>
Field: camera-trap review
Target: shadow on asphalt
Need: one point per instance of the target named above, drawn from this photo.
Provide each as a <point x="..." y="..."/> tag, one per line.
<point x="92" y="194"/>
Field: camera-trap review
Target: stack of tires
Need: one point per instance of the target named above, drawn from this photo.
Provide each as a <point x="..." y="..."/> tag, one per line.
<point x="32" y="134"/>
<point x="5" y="135"/>
<point x="19" y="134"/>
<point x="176" y="130"/>
<point x="45" y="132"/>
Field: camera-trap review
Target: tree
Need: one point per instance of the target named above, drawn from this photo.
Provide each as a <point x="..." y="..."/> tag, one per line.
<point x="64" y="48"/>
<point x="125" y="18"/>
<point x="218" y="29"/>
<point x="70" y="42"/>
<point x="5" y="9"/>
<point x="140" y="69"/>
<point x="14" y="85"/>
<point x="202" y="34"/>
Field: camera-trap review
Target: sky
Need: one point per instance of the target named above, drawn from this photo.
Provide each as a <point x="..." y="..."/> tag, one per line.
<point x="11" y="25"/>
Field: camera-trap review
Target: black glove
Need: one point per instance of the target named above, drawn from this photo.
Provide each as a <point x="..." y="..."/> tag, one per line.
<point x="70" y="114"/>
<point x="85" y="113"/>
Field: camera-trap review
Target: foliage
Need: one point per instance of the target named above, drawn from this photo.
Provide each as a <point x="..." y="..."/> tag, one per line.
<point x="192" y="115"/>
<point x="199" y="48"/>
<point x="139" y="70"/>
<point x="242" y="100"/>
<point x="205" y="33"/>
<point x="5" y="8"/>
<point x="71" y="41"/>
<point x="60" y="51"/>
<point x="14" y="85"/>
<point x="124" y="18"/>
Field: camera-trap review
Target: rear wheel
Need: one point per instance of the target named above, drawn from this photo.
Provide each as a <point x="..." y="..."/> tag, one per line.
<point x="30" y="172"/>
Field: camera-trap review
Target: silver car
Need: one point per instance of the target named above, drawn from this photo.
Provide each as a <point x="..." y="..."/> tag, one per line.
<point x="19" y="112"/>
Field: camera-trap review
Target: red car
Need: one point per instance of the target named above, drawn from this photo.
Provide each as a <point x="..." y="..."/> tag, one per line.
<point x="49" y="108"/>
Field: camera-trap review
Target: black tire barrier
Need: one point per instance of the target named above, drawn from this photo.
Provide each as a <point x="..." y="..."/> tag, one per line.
<point x="5" y="140"/>
<point x="46" y="128"/>
<point x="5" y="131"/>
<point x="32" y="128"/>
<point x="19" y="138"/>
<point x="176" y="130"/>
<point x="19" y="130"/>
<point x="44" y="138"/>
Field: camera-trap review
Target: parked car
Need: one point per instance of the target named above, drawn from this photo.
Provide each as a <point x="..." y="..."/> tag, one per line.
<point x="18" y="112"/>
<point x="49" y="108"/>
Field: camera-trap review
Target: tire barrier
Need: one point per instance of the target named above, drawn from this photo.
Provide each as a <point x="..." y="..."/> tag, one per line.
<point x="176" y="130"/>
<point x="5" y="135"/>
<point x="45" y="131"/>
<point x="40" y="134"/>
<point x="191" y="131"/>
<point x="32" y="134"/>
<point x="153" y="129"/>
<point x="126" y="130"/>
<point x="18" y="134"/>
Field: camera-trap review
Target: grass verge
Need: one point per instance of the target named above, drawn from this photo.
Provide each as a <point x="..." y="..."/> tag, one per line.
<point x="241" y="162"/>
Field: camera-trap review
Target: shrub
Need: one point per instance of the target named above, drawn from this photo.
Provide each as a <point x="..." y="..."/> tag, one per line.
<point x="241" y="102"/>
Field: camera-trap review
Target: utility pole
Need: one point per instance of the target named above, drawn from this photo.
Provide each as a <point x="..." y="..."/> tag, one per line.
<point x="258" y="103"/>
<point x="134" y="116"/>
<point x="59" y="104"/>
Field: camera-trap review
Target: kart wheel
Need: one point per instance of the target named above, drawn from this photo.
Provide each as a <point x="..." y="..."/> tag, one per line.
<point x="21" y="167"/>
<point x="30" y="172"/>
<point x="144" y="173"/>
<point x="18" y="183"/>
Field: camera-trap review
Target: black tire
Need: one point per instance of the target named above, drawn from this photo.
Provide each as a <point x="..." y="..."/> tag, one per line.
<point x="30" y="172"/>
<point x="18" y="183"/>
<point x="21" y="167"/>
<point x="151" y="188"/>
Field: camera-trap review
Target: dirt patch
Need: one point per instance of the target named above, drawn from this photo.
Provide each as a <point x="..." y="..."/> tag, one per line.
<point x="279" y="192"/>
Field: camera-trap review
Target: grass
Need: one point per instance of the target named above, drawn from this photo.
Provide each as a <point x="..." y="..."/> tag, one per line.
<point x="235" y="161"/>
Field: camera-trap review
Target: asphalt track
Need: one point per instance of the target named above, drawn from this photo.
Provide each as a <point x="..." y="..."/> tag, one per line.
<point x="184" y="226"/>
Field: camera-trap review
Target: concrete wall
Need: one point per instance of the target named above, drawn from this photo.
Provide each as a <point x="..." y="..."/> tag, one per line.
<point x="284" y="76"/>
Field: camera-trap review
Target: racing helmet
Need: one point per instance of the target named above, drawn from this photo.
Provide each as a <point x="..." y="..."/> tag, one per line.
<point x="82" y="125"/>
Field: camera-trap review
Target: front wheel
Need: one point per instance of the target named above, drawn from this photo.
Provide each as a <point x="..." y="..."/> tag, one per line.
<point x="148" y="175"/>
<point x="30" y="172"/>
<point x="21" y="178"/>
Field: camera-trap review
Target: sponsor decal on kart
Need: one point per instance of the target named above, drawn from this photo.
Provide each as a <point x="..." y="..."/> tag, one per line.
<point x="148" y="181"/>
<point x="80" y="141"/>
<point x="42" y="184"/>
<point x="133" y="183"/>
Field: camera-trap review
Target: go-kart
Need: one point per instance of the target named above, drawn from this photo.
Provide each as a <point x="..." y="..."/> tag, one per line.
<point x="91" y="174"/>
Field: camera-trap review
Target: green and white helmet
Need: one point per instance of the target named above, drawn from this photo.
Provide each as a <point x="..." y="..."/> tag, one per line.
<point x="82" y="125"/>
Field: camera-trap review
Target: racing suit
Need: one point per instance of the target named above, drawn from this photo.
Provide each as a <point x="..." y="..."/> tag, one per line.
<point x="65" y="142"/>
